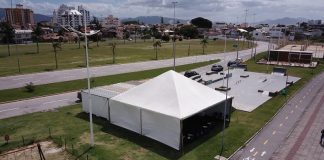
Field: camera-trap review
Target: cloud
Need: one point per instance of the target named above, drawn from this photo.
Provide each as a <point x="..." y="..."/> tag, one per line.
<point x="217" y="10"/>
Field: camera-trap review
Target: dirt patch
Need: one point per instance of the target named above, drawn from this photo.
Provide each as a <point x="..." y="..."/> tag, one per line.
<point x="50" y="150"/>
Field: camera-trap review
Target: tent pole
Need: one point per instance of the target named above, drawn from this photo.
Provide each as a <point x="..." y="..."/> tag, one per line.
<point x="141" y="121"/>
<point x="109" y="110"/>
<point x="181" y="136"/>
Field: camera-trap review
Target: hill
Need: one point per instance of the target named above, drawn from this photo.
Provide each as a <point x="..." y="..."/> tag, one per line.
<point x="153" y="20"/>
<point x="285" y="21"/>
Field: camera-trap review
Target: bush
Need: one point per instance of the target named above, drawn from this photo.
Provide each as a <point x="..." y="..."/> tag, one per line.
<point x="180" y="38"/>
<point x="30" y="87"/>
<point x="165" y="38"/>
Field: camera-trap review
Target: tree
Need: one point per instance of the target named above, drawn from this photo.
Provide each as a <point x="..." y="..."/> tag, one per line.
<point x="156" y="44"/>
<point x="113" y="48"/>
<point x="204" y="43"/>
<point x="56" y="45"/>
<point x="130" y="22"/>
<point x="37" y="32"/>
<point x="189" y="31"/>
<point x="7" y="32"/>
<point x="201" y="22"/>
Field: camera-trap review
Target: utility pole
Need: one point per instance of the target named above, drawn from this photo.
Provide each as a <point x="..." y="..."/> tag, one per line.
<point x="245" y="23"/>
<point x="173" y="39"/>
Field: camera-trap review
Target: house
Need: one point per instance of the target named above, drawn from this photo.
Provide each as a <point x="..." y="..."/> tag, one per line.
<point x="23" y="36"/>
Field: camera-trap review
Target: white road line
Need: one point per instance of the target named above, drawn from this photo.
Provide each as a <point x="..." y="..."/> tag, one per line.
<point x="16" y="79"/>
<point x="286" y="117"/>
<point x="304" y="97"/>
<point x="280" y="124"/>
<point x="265" y="142"/>
<point x="255" y="154"/>
<point x="300" y="101"/>
<point x="6" y="110"/>
<point x="292" y="111"/>
<point x="296" y="106"/>
<point x="274" y="132"/>
<point x="55" y="101"/>
<point x="252" y="150"/>
<point x="263" y="153"/>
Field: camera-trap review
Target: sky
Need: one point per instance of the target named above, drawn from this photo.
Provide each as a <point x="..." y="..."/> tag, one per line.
<point x="215" y="10"/>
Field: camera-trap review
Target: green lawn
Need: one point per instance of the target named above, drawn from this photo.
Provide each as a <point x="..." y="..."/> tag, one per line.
<point x="60" y="87"/>
<point x="116" y="143"/>
<point x="72" y="57"/>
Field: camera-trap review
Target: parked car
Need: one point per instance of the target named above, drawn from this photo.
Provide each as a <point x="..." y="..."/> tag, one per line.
<point x="217" y="68"/>
<point x="190" y="73"/>
<point x="235" y="63"/>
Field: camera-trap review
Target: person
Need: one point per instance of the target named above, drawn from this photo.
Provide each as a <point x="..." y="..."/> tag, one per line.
<point x="322" y="137"/>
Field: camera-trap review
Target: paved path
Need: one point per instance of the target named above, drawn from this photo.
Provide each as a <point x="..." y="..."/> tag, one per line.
<point x="36" y="105"/>
<point x="269" y="139"/>
<point x="303" y="143"/>
<point x="74" y="74"/>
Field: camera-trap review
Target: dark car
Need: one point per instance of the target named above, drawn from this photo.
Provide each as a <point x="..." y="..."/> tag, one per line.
<point x="235" y="63"/>
<point x="190" y="73"/>
<point x="217" y="68"/>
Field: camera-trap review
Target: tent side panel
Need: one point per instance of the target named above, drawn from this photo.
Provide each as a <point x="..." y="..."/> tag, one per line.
<point x="99" y="105"/>
<point x="162" y="128"/>
<point x="125" y="115"/>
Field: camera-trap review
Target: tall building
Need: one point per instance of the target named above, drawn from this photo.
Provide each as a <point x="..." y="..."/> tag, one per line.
<point x="20" y="17"/>
<point x="69" y="16"/>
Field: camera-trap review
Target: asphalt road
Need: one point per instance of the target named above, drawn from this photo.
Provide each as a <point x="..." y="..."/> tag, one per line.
<point x="269" y="139"/>
<point x="74" y="74"/>
<point x="36" y="105"/>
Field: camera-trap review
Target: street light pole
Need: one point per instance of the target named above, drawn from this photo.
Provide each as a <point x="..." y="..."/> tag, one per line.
<point x="173" y="39"/>
<point x="269" y="45"/>
<point x="88" y="78"/>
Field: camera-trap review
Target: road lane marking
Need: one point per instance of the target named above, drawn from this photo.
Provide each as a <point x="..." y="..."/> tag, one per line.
<point x="304" y="97"/>
<point x="292" y="111"/>
<point x="280" y="124"/>
<point x="300" y="101"/>
<point x="55" y="101"/>
<point x="274" y="132"/>
<point x="6" y="110"/>
<point x="263" y="153"/>
<point x="307" y="93"/>
<point x="255" y="154"/>
<point x="296" y="106"/>
<point x="252" y="150"/>
<point x="286" y="117"/>
<point x="265" y="142"/>
<point x="16" y="79"/>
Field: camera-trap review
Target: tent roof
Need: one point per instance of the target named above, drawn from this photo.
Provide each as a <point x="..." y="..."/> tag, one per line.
<point x="171" y="94"/>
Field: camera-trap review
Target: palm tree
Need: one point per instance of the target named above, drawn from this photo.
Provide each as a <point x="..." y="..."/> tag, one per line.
<point x="56" y="45"/>
<point x="8" y="33"/>
<point x="113" y="47"/>
<point x="37" y="33"/>
<point x="204" y="43"/>
<point x="156" y="44"/>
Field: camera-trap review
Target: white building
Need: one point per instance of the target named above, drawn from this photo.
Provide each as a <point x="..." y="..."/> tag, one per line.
<point x="23" y="36"/>
<point x="277" y="32"/>
<point x="67" y="15"/>
<point x="261" y="34"/>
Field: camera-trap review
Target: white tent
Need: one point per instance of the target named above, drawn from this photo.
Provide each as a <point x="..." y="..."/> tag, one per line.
<point x="157" y="107"/>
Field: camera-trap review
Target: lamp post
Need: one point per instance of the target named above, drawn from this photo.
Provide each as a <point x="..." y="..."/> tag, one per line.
<point x="173" y="39"/>
<point x="85" y="34"/>
<point x="269" y="45"/>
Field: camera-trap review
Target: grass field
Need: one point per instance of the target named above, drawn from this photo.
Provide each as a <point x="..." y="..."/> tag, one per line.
<point x="60" y="87"/>
<point x="72" y="57"/>
<point x="116" y="143"/>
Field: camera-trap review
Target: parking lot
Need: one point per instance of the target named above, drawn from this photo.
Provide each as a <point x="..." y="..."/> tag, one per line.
<point x="249" y="89"/>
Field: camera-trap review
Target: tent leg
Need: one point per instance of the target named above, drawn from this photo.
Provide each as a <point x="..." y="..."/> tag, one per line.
<point x="181" y="137"/>
<point x="109" y="110"/>
<point x="141" y="121"/>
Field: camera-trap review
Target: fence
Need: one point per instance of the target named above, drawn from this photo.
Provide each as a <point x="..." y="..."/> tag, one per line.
<point x="51" y="144"/>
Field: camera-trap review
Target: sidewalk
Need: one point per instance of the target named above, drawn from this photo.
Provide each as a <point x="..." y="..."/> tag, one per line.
<point x="303" y="142"/>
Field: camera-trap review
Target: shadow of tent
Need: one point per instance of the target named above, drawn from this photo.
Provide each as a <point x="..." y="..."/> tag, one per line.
<point x="148" y="143"/>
